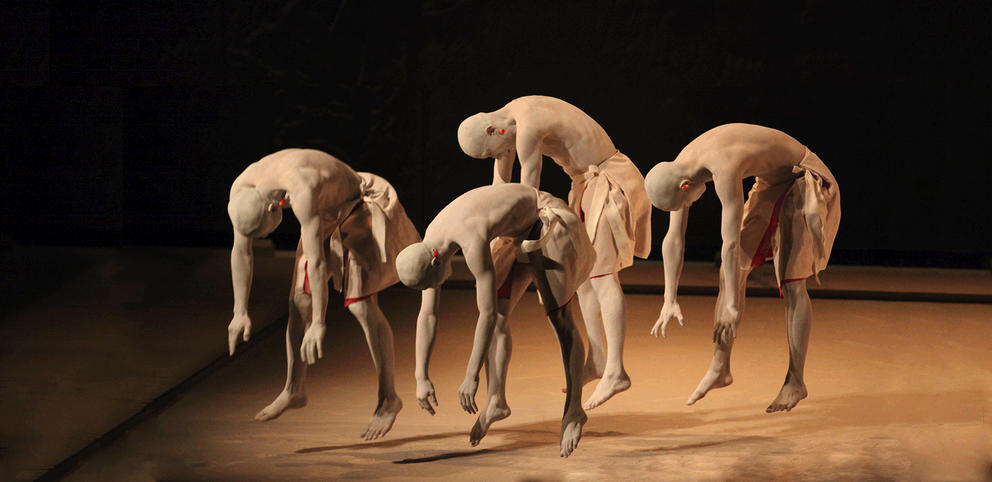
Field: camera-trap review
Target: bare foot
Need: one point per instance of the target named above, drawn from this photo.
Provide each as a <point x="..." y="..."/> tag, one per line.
<point x="571" y="432"/>
<point x="788" y="397"/>
<point x="711" y="380"/>
<point x="608" y="387"/>
<point x="283" y="402"/>
<point x="495" y="411"/>
<point x="382" y="419"/>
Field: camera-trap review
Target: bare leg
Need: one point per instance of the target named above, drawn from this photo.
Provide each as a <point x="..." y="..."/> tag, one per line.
<point x="799" y="313"/>
<point x="614" y="309"/>
<point x="497" y="362"/>
<point x="718" y="375"/>
<point x="595" y="363"/>
<point x="572" y="351"/>
<point x="379" y="336"/>
<point x="293" y="395"/>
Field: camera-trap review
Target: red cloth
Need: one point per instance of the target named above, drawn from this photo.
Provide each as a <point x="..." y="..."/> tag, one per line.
<point x="765" y="249"/>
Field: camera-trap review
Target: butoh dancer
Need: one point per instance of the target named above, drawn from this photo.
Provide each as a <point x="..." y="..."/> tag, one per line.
<point x="791" y="215"/>
<point x="351" y="227"/>
<point x="559" y="258"/>
<point x="607" y="193"/>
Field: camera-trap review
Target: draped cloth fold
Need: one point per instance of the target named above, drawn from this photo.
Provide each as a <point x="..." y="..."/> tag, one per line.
<point x="611" y="200"/>
<point x="562" y="240"/>
<point x="793" y="223"/>
<point x="361" y="251"/>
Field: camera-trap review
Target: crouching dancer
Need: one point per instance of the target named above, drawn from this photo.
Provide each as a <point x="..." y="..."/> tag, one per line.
<point x="351" y="227"/>
<point x="559" y="256"/>
<point x="791" y="215"/>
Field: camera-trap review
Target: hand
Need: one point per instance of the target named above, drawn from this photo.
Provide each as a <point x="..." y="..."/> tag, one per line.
<point x="725" y="327"/>
<point x="239" y="326"/>
<point x="425" y="395"/>
<point x="310" y="350"/>
<point x="669" y="311"/>
<point x="466" y="394"/>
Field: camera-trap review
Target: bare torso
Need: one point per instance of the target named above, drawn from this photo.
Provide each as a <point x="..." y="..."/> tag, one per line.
<point x="744" y="150"/>
<point x="482" y="214"/>
<point x="564" y="133"/>
<point x="329" y="183"/>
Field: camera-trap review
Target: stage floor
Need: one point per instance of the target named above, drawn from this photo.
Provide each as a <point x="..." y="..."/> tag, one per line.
<point x="897" y="390"/>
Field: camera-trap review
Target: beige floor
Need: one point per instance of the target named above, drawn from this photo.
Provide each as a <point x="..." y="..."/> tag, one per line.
<point x="897" y="391"/>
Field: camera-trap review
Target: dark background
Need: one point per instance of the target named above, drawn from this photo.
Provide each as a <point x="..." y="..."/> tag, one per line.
<point x="125" y="124"/>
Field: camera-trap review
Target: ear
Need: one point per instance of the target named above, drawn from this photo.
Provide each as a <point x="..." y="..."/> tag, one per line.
<point x="490" y="130"/>
<point x="271" y="207"/>
<point x="685" y="185"/>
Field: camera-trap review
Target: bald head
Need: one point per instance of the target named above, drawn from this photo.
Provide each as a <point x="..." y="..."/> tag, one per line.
<point x="486" y="134"/>
<point x="670" y="187"/>
<point x="418" y="268"/>
<point x="252" y="213"/>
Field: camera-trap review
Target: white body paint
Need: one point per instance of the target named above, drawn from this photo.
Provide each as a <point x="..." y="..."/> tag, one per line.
<point x="530" y="127"/>
<point x="322" y="192"/>
<point x="726" y="155"/>
<point x="470" y="223"/>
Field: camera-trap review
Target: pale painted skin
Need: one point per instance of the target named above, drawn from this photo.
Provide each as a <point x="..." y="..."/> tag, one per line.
<point x="321" y="191"/>
<point x="531" y="127"/>
<point x="726" y="155"/>
<point x="470" y="223"/>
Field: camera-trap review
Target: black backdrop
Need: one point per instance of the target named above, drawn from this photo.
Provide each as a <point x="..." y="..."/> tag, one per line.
<point x="126" y="123"/>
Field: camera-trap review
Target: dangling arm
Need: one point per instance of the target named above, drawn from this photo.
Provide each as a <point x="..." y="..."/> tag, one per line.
<point x="430" y="299"/>
<point x="311" y="349"/>
<point x="672" y="253"/>
<point x="529" y="153"/>
<point x="731" y="193"/>
<point x="242" y="267"/>
<point x="503" y="166"/>
<point x="480" y="262"/>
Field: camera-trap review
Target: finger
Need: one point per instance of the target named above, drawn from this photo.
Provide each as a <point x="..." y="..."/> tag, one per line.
<point x="232" y="340"/>
<point x="429" y="408"/>
<point x="681" y="320"/>
<point x="320" y="350"/>
<point x="664" y="329"/>
<point x="434" y="398"/>
<point x="247" y="332"/>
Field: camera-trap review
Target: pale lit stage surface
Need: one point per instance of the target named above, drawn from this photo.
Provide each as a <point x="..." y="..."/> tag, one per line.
<point x="897" y="389"/>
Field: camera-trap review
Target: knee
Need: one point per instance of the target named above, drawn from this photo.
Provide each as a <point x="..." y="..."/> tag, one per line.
<point x="360" y="310"/>
<point x="299" y="299"/>
<point x="794" y="290"/>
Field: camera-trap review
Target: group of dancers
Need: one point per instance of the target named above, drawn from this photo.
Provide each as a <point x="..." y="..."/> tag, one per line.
<point x="355" y="234"/>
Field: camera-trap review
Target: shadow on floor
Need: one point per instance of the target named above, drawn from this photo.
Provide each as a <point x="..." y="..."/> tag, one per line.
<point x="811" y="416"/>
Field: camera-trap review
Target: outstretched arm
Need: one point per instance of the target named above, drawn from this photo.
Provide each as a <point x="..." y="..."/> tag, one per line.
<point x="672" y="253"/>
<point x="503" y="167"/>
<point x="480" y="262"/>
<point x="430" y="299"/>
<point x="242" y="267"/>
<point x="731" y="193"/>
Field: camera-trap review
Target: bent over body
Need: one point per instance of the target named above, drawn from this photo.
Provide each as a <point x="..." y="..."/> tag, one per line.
<point x="351" y="228"/>
<point x="559" y="257"/>
<point x="791" y="215"/>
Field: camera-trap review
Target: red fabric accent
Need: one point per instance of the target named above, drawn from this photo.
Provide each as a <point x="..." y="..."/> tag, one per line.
<point x="348" y="301"/>
<point x="306" y="278"/>
<point x="600" y="275"/>
<point x="562" y="306"/>
<point x="764" y="250"/>
<point x="791" y="280"/>
<point x="504" y="290"/>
